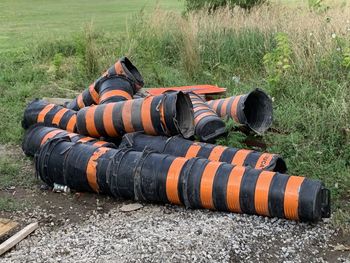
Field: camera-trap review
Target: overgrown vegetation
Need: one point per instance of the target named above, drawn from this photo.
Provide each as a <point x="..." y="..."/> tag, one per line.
<point x="300" y="57"/>
<point x="213" y="5"/>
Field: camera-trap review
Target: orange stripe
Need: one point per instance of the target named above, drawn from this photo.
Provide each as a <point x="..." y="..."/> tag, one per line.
<point x="224" y="107"/>
<point x="80" y="101"/>
<point x="240" y="157"/>
<point x="215" y="104"/>
<point x="206" y="187"/>
<point x="234" y="108"/>
<point x="115" y="93"/>
<point x="85" y="139"/>
<point x="50" y="135"/>
<point x="90" y="122"/>
<point x="291" y="197"/>
<point x="162" y="117"/>
<point x="126" y="116"/>
<point x="72" y="123"/>
<point x="261" y="196"/>
<point x="264" y="161"/>
<point x="216" y="153"/>
<point x="192" y="151"/>
<point x="233" y="189"/>
<point x="108" y="120"/>
<point x="93" y="93"/>
<point x="43" y="112"/>
<point x="172" y="180"/>
<point x="146" y="117"/>
<point x="202" y="115"/>
<point x="118" y="68"/>
<point x="99" y="143"/>
<point x="58" y="116"/>
<point x="91" y="168"/>
<point x="200" y="108"/>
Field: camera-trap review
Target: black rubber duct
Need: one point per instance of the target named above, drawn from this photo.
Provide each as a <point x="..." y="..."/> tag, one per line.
<point x="195" y="182"/>
<point x="38" y="134"/>
<point x="208" y="125"/>
<point x="167" y="114"/>
<point x="253" y="109"/>
<point x="120" y="82"/>
<point x="40" y="111"/>
<point x="178" y="146"/>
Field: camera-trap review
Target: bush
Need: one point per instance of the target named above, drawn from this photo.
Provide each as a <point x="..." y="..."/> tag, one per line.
<point x="212" y="5"/>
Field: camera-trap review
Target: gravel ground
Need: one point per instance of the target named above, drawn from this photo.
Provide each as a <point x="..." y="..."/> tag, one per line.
<point x="174" y="234"/>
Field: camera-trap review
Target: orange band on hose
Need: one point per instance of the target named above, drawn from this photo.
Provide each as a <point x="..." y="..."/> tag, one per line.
<point x="264" y="161"/>
<point x="172" y="180"/>
<point x="85" y="139"/>
<point x="146" y="117"/>
<point x="214" y="104"/>
<point x="240" y="157"/>
<point x="216" y="153"/>
<point x="90" y="122"/>
<point x="234" y="108"/>
<point x="224" y="108"/>
<point x="58" y="116"/>
<point x="108" y="120"/>
<point x="43" y="112"/>
<point x="50" y="135"/>
<point x="99" y="143"/>
<point x="192" y="151"/>
<point x="207" y="182"/>
<point x="118" y="68"/>
<point x="202" y="115"/>
<point x="291" y="197"/>
<point x="162" y="117"/>
<point x="91" y="168"/>
<point x="72" y="123"/>
<point x="115" y="93"/>
<point x="261" y="196"/>
<point x="195" y="109"/>
<point x="126" y="116"/>
<point x="93" y="93"/>
<point x="234" y="188"/>
<point x="80" y="101"/>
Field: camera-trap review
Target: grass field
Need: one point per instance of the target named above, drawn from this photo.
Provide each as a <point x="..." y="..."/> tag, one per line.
<point x="301" y="58"/>
<point x="23" y="21"/>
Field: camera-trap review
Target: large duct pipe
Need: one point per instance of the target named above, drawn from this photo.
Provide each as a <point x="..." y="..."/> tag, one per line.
<point x="120" y="82"/>
<point x="196" y="183"/>
<point x="253" y="109"/>
<point x="178" y="146"/>
<point x="167" y="114"/>
<point x="37" y="135"/>
<point x="40" y="111"/>
<point x="208" y="125"/>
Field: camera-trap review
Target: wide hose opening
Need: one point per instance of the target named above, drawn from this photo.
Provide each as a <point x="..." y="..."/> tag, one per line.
<point x="184" y="115"/>
<point x="258" y="111"/>
<point x="280" y="166"/>
<point x="132" y="71"/>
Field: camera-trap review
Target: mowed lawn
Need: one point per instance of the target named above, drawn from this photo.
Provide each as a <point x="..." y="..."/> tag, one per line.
<point x="25" y="21"/>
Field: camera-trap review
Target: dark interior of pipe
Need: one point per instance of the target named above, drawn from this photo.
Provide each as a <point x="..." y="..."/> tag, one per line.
<point x="280" y="166"/>
<point x="258" y="111"/>
<point x="184" y="115"/>
<point x="130" y="68"/>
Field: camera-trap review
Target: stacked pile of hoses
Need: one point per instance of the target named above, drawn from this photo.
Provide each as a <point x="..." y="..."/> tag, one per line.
<point x="107" y="142"/>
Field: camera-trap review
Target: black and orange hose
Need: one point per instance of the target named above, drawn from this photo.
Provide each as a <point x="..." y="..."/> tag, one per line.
<point x="120" y="82"/>
<point x="178" y="146"/>
<point x="208" y="125"/>
<point x="167" y="114"/>
<point x="40" y="111"/>
<point x="37" y="135"/>
<point x="194" y="182"/>
<point x="253" y="109"/>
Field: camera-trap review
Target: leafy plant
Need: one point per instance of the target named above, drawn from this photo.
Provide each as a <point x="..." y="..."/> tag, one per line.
<point x="212" y="5"/>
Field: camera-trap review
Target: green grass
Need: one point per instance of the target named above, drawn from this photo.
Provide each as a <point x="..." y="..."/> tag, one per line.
<point x="22" y="21"/>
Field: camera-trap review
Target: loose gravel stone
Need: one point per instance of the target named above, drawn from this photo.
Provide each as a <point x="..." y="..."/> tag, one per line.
<point x="174" y="234"/>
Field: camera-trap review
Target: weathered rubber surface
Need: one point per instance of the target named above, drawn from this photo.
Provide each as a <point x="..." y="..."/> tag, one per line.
<point x="181" y="147"/>
<point x="195" y="182"/>
<point x="253" y="109"/>
<point x="167" y="114"/>
<point x="208" y="125"/>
